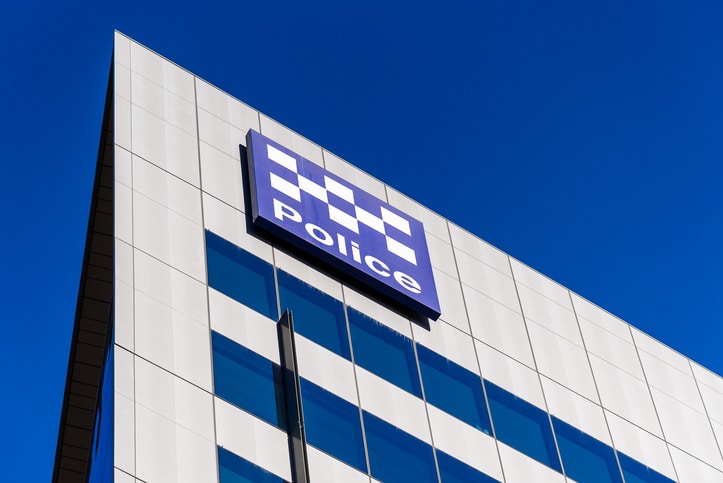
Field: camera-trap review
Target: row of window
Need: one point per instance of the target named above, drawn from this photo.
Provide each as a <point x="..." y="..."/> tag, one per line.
<point x="397" y="359"/>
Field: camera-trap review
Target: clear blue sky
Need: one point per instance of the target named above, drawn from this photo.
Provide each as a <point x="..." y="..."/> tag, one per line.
<point x="583" y="138"/>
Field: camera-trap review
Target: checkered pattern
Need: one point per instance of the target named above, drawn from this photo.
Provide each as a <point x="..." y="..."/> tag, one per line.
<point x="351" y="221"/>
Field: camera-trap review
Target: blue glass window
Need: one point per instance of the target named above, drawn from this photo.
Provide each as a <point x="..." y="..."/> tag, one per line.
<point x="585" y="458"/>
<point x="452" y="470"/>
<point x="395" y="456"/>
<point x="333" y="425"/>
<point x="383" y="351"/>
<point x="240" y="275"/>
<point x="248" y="380"/>
<point x="636" y="472"/>
<point x="317" y="316"/>
<point x="522" y="426"/>
<point x="234" y="469"/>
<point x="453" y="389"/>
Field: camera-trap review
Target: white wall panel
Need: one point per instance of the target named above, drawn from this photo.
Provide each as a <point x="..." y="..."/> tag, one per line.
<point x="562" y="361"/>
<point x="169" y="453"/>
<point x="120" y="476"/>
<point x="465" y="443"/>
<point x="252" y="439"/>
<point x="174" y="398"/>
<point x="610" y="347"/>
<point x="393" y="405"/>
<point x="640" y="445"/>
<point x="326" y="469"/>
<point x="442" y="256"/>
<point x="122" y="81"/>
<point x="230" y="224"/>
<point x="170" y="287"/>
<point x="167" y="190"/>
<point x="519" y="468"/>
<point x="122" y="123"/>
<point x="661" y="351"/>
<point x="576" y="410"/>
<point x="165" y="145"/>
<point x="676" y="384"/>
<point x="162" y="103"/>
<point x="221" y="176"/>
<point x="449" y="342"/>
<point x="625" y="395"/>
<point x="124" y="433"/>
<point x="692" y="470"/>
<point x="539" y="283"/>
<point x="559" y="319"/>
<point x="488" y="281"/>
<point x="498" y="326"/>
<point x="162" y="72"/>
<point x="510" y="374"/>
<point x="225" y="107"/>
<point x="479" y="249"/>
<point x="687" y="429"/>
<point x="451" y="301"/>
<point x="121" y="49"/>
<point x="220" y="134"/>
<point x="326" y="369"/>
<point x="243" y="325"/>
<point x="601" y="318"/>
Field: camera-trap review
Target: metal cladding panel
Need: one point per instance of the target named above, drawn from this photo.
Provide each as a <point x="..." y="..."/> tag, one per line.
<point x="338" y="222"/>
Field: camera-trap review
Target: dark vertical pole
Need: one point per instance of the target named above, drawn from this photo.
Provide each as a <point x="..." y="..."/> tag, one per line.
<point x="292" y="392"/>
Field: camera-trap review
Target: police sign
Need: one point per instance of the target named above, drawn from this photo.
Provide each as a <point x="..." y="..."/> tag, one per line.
<point x="340" y="223"/>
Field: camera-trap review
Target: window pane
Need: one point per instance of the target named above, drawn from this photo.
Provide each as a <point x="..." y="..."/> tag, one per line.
<point x="240" y="275"/>
<point x="317" y="316"/>
<point x="234" y="469"/>
<point x="636" y="472"/>
<point x="248" y="380"/>
<point x="395" y="456"/>
<point x="454" y="471"/>
<point x="383" y="351"/>
<point x="453" y="389"/>
<point x="522" y="426"/>
<point x="584" y="457"/>
<point x="333" y="425"/>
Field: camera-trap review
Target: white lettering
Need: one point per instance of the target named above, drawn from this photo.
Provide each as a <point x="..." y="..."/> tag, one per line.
<point x="377" y="265"/>
<point x="407" y="282"/>
<point x="281" y="210"/>
<point x="319" y="234"/>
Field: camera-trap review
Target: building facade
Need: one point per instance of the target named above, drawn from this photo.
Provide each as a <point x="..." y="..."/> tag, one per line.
<point x="212" y="346"/>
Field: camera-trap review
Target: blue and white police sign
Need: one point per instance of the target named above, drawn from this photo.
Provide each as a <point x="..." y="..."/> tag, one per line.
<point x="356" y="232"/>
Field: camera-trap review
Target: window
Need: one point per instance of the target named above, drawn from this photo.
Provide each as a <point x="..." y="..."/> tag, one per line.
<point x="248" y="380"/>
<point x="636" y="472"/>
<point x="234" y="469"/>
<point x="240" y="275"/>
<point x="453" y="389"/>
<point x="584" y="457"/>
<point x="452" y="470"/>
<point x="395" y="456"/>
<point x="383" y="351"/>
<point x="333" y="425"/>
<point x="522" y="426"/>
<point x="317" y="316"/>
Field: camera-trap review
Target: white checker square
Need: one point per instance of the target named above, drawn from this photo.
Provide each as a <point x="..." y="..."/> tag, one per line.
<point x="344" y="219"/>
<point x="339" y="190"/>
<point x="396" y="221"/>
<point x="289" y="189"/>
<point x="282" y="158"/>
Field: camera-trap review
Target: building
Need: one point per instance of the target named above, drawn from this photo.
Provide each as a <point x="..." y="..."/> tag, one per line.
<point x="186" y="366"/>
